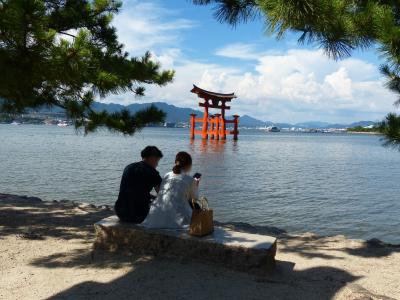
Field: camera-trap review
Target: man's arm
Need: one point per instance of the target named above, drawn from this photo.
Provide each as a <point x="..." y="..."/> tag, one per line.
<point x="157" y="188"/>
<point x="158" y="183"/>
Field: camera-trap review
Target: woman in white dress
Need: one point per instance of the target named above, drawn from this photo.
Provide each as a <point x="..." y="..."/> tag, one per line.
<point x="172" y="208"/>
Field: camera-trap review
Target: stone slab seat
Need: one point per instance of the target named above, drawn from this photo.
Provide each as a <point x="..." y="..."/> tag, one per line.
<point x="235" y="249"/>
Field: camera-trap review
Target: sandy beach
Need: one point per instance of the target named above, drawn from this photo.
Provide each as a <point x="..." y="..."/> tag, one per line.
<point x="46" y="253"/>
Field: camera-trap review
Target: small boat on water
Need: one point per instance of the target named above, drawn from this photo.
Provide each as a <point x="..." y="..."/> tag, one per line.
<point x="15" y="123"/>
<point x="62" y="123"/>
<point x="273" y="129"/>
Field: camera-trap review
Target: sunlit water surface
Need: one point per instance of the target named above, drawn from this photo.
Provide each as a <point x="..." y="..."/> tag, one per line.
<point x="323" y="183"/>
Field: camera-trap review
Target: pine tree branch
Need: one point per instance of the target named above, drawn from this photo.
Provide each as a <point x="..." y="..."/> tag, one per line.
<point x="44" y="71"/>
<point x="390" y="127"/>
<point x="66" y="33"/>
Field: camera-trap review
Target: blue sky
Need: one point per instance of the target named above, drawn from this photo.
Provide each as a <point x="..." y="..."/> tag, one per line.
<point x="275" y="80"/>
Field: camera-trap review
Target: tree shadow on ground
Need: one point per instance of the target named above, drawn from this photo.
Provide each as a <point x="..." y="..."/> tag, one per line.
<point x="163" y="278"/>
<point x="373" y="248"/>
<point x="30" y="218"/>
<point x="314" y="246"/>
<point x="87" y="258"/>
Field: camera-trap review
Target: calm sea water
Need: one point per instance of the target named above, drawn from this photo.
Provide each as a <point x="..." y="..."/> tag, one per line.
<point x="327" y="184"/>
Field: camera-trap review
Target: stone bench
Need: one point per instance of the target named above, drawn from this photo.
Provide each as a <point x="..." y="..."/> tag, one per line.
<point x="234" y="249"/>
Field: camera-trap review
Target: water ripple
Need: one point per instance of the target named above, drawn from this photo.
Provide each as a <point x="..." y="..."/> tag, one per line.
<point x="328" y="184"/>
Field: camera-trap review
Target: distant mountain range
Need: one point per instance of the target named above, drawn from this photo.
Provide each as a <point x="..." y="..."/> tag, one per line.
<point x="174" y="114"/>
<point x="178" y="114"/>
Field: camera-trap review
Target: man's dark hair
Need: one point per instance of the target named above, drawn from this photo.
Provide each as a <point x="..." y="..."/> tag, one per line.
<point x="151" y="151"/>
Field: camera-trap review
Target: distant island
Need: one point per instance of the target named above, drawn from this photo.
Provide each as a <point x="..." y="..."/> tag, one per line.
<point x="176" y="117"/>
<point x="372" y="129"/>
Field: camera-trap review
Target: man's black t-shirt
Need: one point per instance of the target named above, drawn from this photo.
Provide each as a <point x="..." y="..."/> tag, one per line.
<point x="134" y="197"/>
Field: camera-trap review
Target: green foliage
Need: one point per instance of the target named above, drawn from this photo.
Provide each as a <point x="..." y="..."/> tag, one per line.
<point x="66" y="54"/>
<point x="390" y="127"/>
<point x="6" y="118"/>
<point x="363" y="129"/>
<point x="336" y="26"/>
<point x="232" y="11"/>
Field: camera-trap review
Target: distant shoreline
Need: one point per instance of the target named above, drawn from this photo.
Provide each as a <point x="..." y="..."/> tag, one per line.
<point x="305" y="130"/>
<point x="364" y="132"/>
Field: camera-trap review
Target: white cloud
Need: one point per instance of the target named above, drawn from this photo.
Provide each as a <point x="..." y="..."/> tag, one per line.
<point x="293" y="85"/>
<point x="297" y="85"/>
<point x="239" y="50"/>
<point x="340" y="84"/>
<point x="143" y="25"/>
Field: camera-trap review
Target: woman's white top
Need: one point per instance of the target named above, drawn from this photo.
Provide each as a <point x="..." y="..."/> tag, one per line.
<point x="171" y="208"/>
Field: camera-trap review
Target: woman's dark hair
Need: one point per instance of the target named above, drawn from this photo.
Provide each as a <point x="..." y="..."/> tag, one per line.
<point x="150" y="151"/>
<point x="182" y="160"/>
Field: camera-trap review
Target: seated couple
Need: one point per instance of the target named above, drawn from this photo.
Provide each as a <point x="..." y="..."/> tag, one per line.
<point x="172" y="206"/>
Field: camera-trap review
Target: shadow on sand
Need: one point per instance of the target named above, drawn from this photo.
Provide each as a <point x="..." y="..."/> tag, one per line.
<point x="312" y="246"/>
<point x="166" y="277"/>
<point x="177" y="278"/>
<point x="30" y="218"/>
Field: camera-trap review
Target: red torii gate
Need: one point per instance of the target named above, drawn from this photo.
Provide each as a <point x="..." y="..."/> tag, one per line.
<point x="217" y="121"/>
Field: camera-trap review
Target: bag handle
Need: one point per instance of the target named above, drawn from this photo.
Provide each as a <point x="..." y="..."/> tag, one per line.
<point x="194" y="205"/>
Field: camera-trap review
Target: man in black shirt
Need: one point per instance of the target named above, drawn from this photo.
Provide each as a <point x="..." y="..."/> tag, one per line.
<point x="137" y="181"/>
